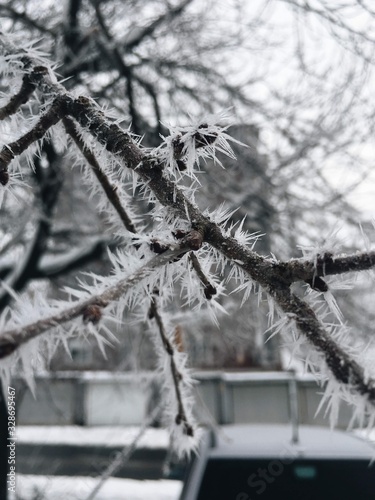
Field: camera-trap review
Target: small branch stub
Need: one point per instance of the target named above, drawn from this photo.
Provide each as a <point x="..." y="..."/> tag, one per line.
<point x="179" y="234"/>
<point x="4" y="176"/>
<point x="192" y="240"/>
<point x="318" y="284"/>
<point x="209" y="289"/>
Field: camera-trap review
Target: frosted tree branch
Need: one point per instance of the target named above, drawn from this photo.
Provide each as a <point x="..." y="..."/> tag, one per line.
<point x="16" y="148"/>
<point x="18" y="99"/>
<point x="154" y="174"/>
<point x="89" y="309"/>
<point x="344" y="368"/>
<point x="326" y="265"/>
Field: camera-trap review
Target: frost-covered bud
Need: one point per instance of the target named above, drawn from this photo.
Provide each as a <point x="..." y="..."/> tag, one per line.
<point x="178" y="147"/>
<point x="92" y="314"/>
<point x="209" y="291"/>
<point x="158" y="247"/>
<point x="194" y="240"/>
<point x="183" y="149"/>
<point x="204" y="136"/>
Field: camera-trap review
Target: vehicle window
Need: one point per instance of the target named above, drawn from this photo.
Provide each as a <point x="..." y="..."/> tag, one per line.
<point x="288" y="479"/>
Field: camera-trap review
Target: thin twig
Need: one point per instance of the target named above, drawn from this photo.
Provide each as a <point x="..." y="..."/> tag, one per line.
<point x="124" y="455"/>
<point x="209" y="288"/>
<point x="13" y="338"/>
<point x="108" y="188"/>
<point x="181" y="417"/>
<point x="22" y="96"/>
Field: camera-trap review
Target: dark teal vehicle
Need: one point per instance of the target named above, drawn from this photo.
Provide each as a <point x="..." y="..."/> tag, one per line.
<point x="264" y="462"/>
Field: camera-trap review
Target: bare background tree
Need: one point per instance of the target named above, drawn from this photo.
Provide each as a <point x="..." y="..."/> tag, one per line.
<point x="300" y="97"/>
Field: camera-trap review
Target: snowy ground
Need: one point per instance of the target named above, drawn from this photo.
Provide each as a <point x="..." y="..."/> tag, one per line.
<point x="28" y="487"/>
<point x="98" y="436"/>
<point x="78" y="488"/>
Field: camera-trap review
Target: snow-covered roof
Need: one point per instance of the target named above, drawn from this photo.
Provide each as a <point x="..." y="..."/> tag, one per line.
<point x="260" y="376"/>
<point x="275" y="441"/>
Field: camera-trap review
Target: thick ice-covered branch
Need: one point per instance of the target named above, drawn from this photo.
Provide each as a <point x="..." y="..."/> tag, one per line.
<point x="326" y="265"/>
<point x="344" y="368"/>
